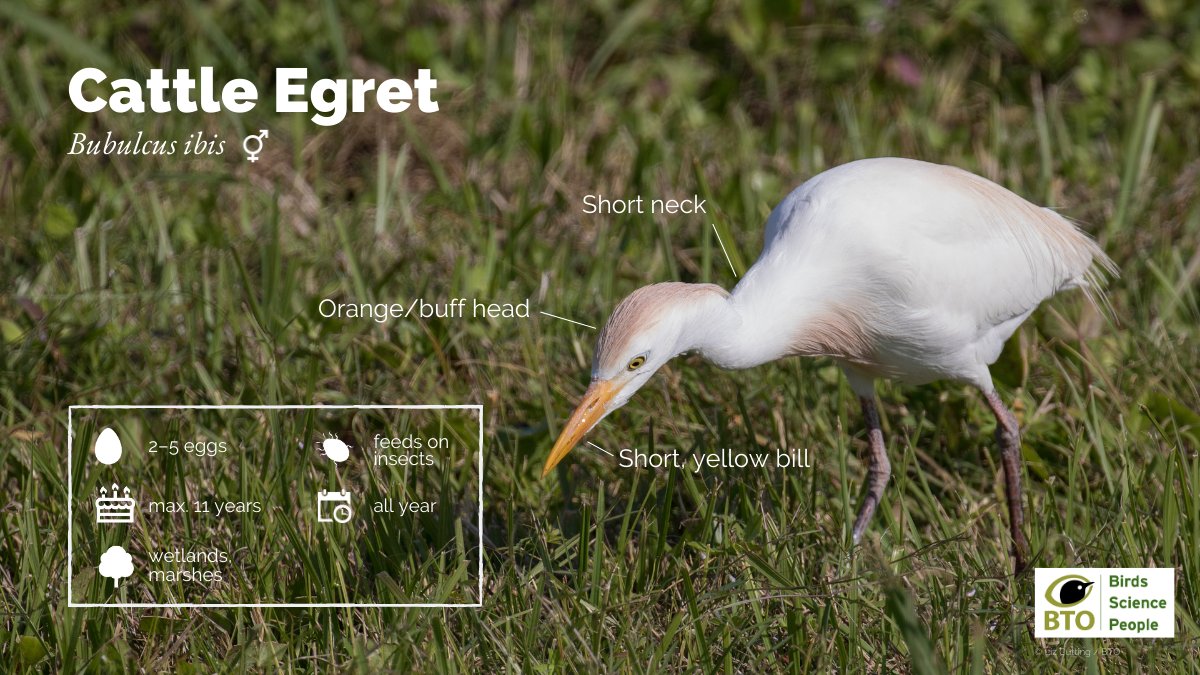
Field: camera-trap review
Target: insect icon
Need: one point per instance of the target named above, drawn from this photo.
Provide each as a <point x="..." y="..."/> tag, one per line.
<point x="336" y="449"/>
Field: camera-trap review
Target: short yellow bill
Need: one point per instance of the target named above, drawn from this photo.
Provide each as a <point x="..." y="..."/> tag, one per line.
<point x="590" y="410"/>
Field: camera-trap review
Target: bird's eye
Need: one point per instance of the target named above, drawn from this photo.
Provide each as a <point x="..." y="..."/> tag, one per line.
<point x="636" y="363"/>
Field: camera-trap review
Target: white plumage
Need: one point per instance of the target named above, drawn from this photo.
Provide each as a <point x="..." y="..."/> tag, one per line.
<point x="892" y="267"/>
<point x="937" y="266"/>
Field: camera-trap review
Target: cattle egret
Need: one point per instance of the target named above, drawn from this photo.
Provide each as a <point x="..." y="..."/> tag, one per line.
<point x="893" y="268"/>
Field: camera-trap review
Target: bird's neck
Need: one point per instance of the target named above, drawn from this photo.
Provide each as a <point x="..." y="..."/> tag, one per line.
<point x="733" y="331"/>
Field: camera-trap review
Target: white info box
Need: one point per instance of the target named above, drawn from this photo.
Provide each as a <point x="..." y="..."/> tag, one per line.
<point x="335" y="508"/>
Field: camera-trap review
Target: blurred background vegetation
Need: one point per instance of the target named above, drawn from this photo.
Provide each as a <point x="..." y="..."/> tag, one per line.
<point x="195" y="280"/>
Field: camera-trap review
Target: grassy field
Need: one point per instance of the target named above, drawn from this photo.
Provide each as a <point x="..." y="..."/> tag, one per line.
<point x="196" y="279"/>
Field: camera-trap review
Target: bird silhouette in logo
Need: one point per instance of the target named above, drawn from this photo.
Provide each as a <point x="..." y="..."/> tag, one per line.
<point x="1073" y="591"/>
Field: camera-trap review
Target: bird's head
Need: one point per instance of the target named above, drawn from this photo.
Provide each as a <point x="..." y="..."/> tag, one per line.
<point x="1076" y="587"/>
<point x="647" y="329"/>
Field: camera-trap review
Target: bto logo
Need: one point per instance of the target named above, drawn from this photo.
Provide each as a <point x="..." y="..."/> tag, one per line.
<point x="1064" y="593"/>
<point x="1100" y="602"/>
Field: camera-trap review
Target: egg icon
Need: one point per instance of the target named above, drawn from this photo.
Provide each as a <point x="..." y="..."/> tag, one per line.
<point x="335" y="449"/>
<point x="108" y="446"/>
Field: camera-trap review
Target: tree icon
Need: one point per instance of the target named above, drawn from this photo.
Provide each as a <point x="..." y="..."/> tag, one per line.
<point x="116" y="564"/>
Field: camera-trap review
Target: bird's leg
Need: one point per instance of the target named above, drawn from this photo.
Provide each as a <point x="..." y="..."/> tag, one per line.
<point x="1008" y="436"/>
<point x="879" y="471"/>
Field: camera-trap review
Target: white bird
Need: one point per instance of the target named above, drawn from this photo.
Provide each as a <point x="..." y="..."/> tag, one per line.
<point x="893" y="268"/>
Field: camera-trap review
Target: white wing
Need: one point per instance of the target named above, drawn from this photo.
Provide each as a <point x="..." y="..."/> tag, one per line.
<point x="942" y="264"/>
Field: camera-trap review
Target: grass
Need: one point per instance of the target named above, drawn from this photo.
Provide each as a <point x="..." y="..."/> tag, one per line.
<point x="196" y="280"/>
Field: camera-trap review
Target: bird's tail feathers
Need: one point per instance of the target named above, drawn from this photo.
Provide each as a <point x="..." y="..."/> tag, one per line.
<point x="1100" y="269"/>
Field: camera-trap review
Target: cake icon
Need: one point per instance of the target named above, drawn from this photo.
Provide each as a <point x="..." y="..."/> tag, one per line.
<point x="114" y="506"/>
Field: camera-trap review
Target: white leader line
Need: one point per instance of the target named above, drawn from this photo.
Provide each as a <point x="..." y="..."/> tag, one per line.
<point x="555" y="316"/>
<point x="714" y="227"/>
